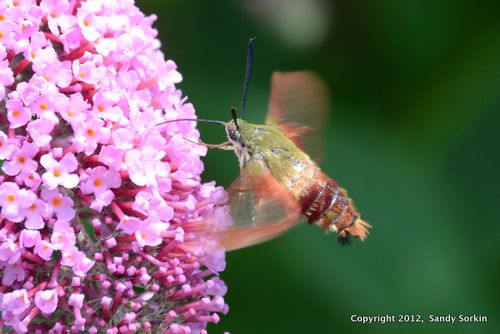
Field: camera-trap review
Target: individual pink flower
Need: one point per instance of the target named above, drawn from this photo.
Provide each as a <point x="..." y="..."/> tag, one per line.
<point x="56" y="12"/>
<point x="90" y="22"/>
<point x="47" y="105"/>
<point x="105" y="224"/>
<point x="29" y="26"/>
<point x="60" y="206"/>
<point x="111" y="157"/>
<point x="63" y="236"/>
<point x="87" y="72"/>
<point x="105" y="106"/>
<point x="70" y="256"/>
<point x="145" y="165"/>
<point x="82" y="264"/>
<point x="74" y="110"/>
<point x="17" y="114"/>
<point x="46" y="300"/>
<point x="16" y="301"/>
<point x="99" y="181"/>
<point x="102" y="200"/>
<point x="22" y="160"/>
<point x="12" y="273"/>
<point x="9" y="251"/>
<point x="29" y="92"/>
<point x="29" y="238"/>
<point x="59" y="172"/>
<point x="13" y="200"/>
<point x="29" y="178"/>
<point x="153" y="205"/>
<point x="35" y="215"/>
<point x="89" y="134"/>
<point x="129" y="224"/>
<point x="58" y="73"/>
<point x="149" y="233"/>
<point x="34" y="49"/>
<point x="44" y="249"/>
<point x="40" y="130"/>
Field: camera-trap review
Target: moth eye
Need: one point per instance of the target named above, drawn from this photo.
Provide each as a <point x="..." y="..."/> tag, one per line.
<point x="233" y="134"/>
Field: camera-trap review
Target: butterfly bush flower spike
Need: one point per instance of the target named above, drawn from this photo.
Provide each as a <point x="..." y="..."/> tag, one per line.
<point x="104" y="222"/>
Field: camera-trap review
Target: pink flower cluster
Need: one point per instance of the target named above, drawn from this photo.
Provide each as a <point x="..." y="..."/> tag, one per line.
<point x="104" y="222"/>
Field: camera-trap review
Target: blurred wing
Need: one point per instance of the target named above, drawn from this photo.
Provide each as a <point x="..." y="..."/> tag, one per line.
<point x="261" y="208"/>
<point x="298" y="107"/>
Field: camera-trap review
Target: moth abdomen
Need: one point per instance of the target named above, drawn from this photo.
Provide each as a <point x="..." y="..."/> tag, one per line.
<point x="326" y="204"/>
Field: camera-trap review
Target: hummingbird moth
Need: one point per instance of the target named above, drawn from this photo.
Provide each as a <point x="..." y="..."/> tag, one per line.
<point x="279" y="183"/>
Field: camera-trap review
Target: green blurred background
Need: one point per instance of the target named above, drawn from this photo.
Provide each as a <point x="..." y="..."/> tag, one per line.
<point x="414" y="136"/>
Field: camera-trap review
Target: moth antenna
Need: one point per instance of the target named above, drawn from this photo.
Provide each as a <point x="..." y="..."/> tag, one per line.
<point x="224" y="146"/>
<point x="248" y="68"/>
<point x="194" y="120"/>
<point x="234" y="115"/>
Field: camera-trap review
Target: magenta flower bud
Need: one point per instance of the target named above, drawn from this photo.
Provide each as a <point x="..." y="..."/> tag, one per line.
<point x="105" y="226"/>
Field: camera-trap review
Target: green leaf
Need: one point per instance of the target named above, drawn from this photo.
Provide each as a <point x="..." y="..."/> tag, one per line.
<point x="138" y="289"/>
<point x="87" y="225"/>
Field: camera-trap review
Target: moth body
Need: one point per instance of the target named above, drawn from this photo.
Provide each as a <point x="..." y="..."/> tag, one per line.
<point x="320" y="199"/>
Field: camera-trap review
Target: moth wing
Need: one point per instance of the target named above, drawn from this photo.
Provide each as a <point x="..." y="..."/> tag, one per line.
<point x="298" y="107"/>
<point x="261" y="208"/>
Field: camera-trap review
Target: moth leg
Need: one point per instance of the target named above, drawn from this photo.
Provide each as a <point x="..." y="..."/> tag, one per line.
<point x="227" y="146"/>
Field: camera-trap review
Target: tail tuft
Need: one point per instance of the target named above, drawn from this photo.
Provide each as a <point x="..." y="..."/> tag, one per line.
<point x="359" y="229"/>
